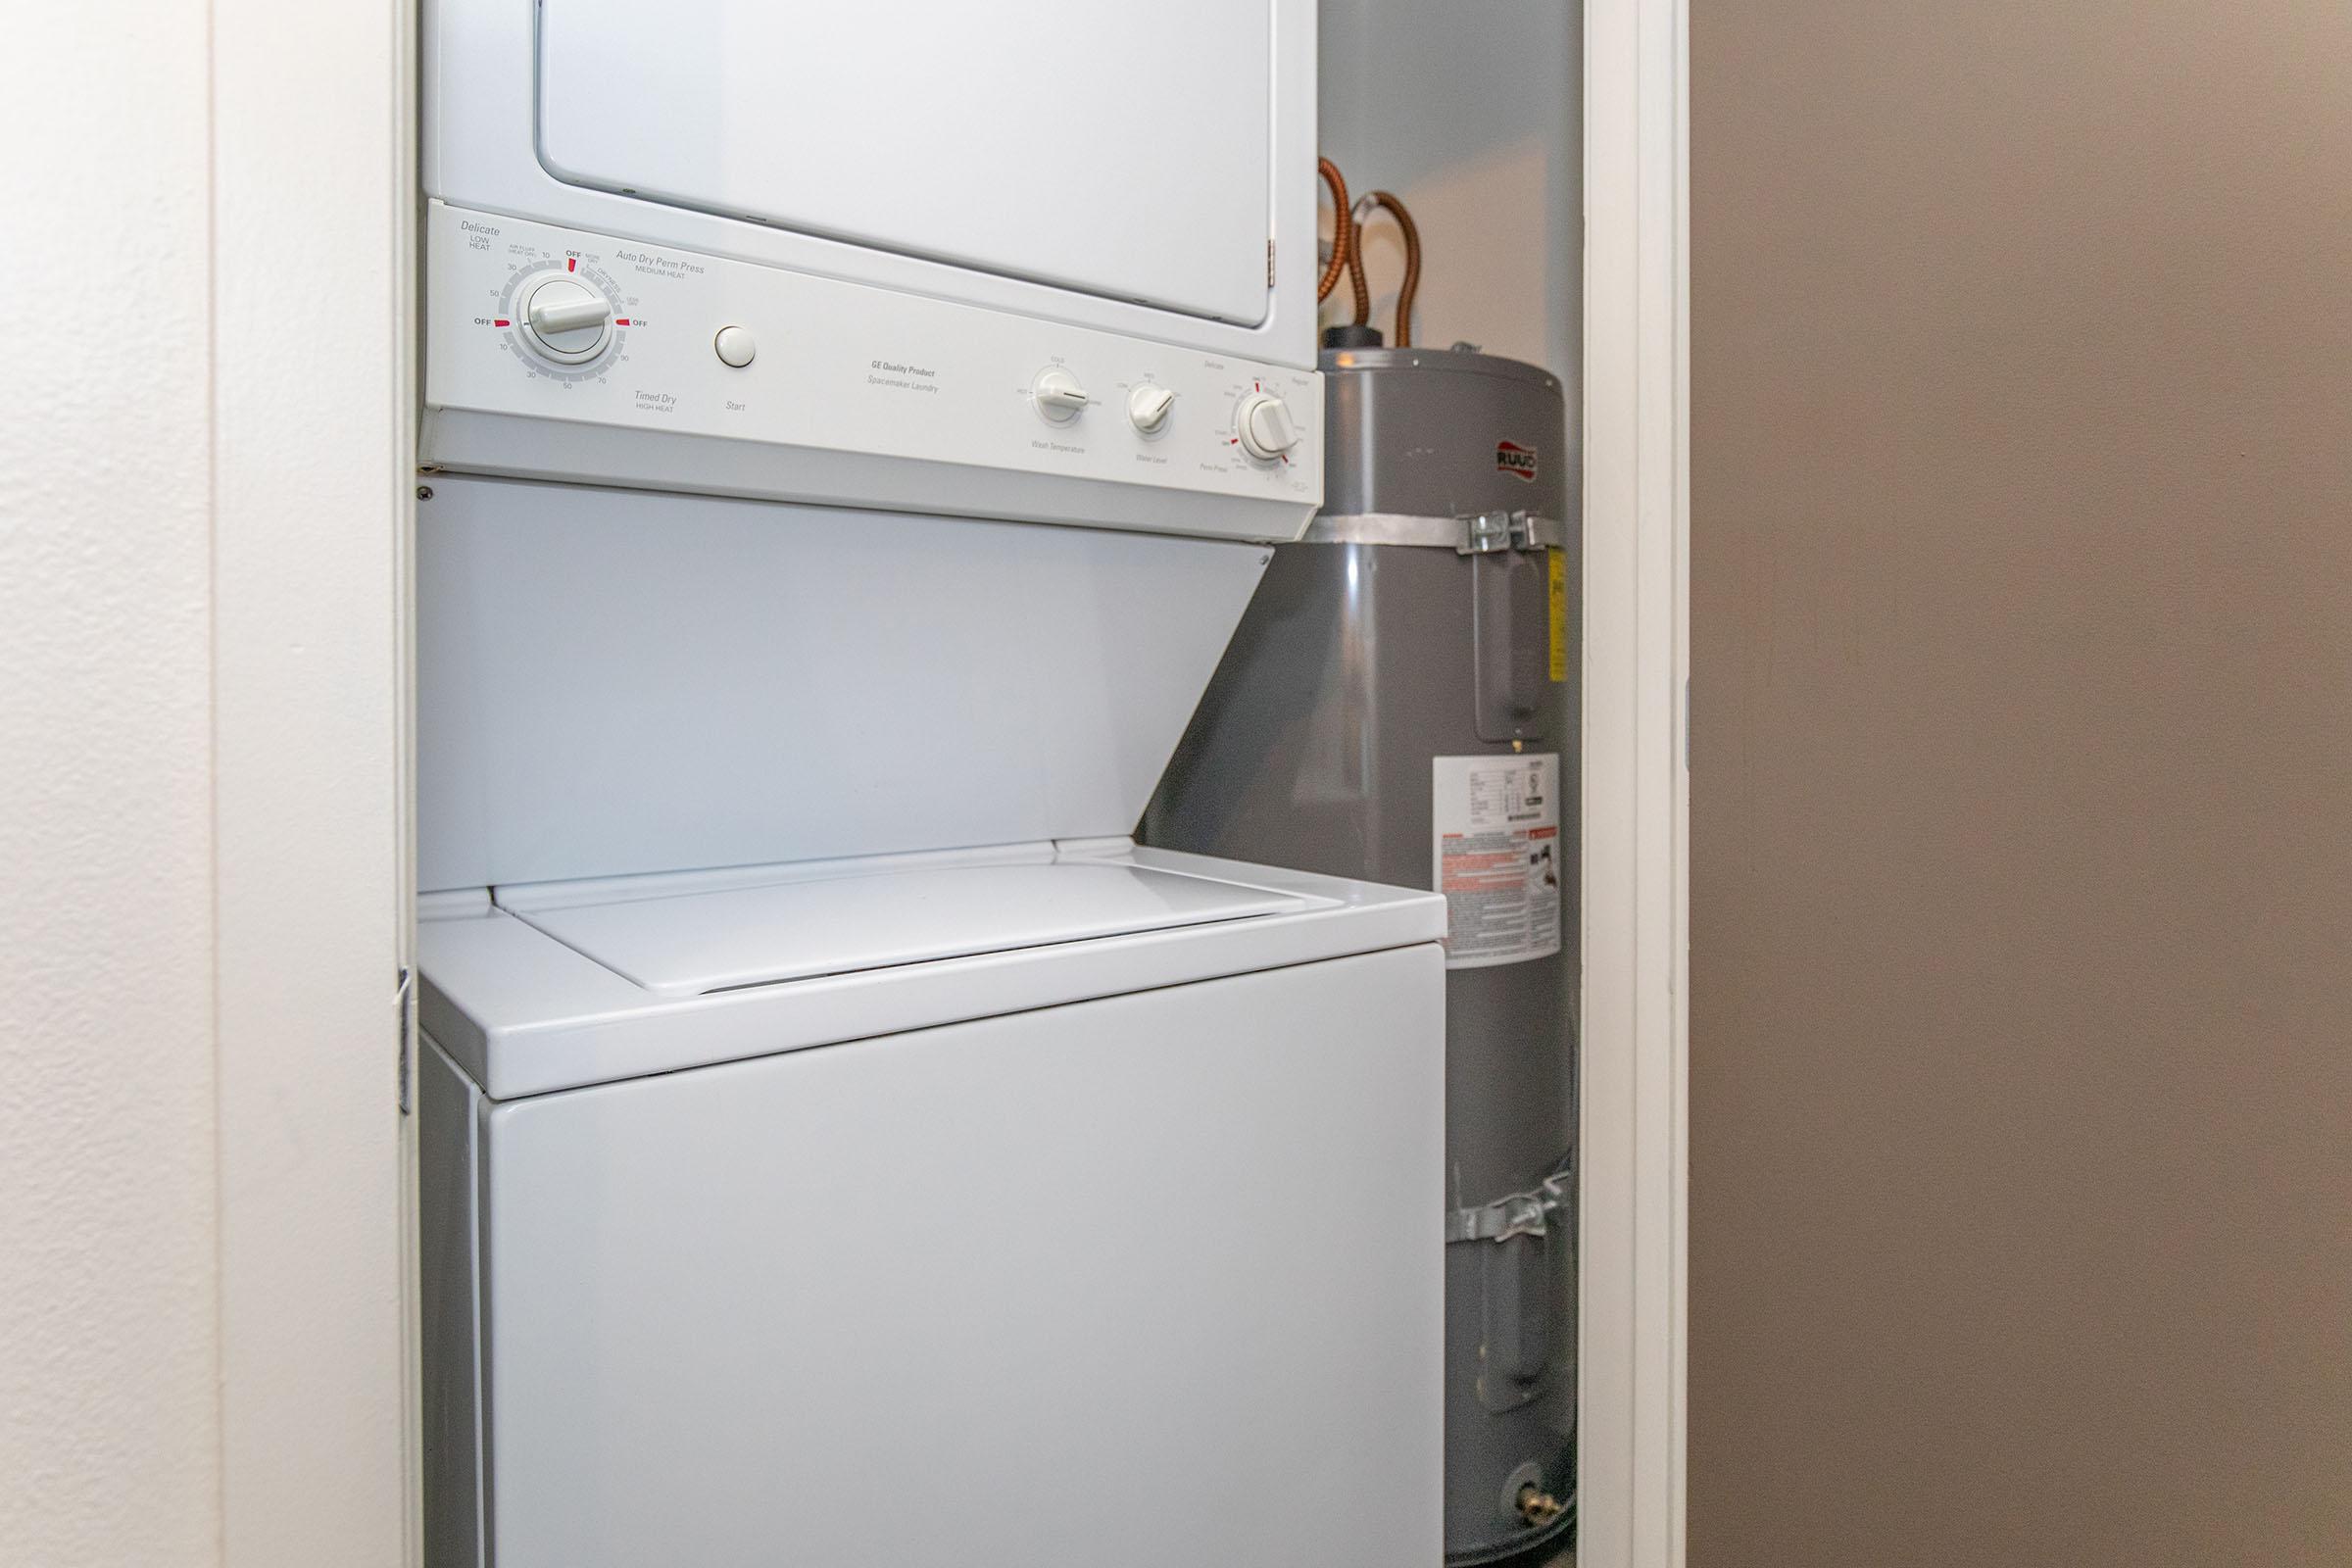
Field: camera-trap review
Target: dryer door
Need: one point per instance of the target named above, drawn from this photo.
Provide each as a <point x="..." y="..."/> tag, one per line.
<point x="1117" y="150"/>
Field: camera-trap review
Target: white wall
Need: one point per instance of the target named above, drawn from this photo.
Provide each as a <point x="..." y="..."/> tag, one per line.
<point x="108" y="1410"/>
<point x="1472" y="112"/>
<point x="201" y="1305"/>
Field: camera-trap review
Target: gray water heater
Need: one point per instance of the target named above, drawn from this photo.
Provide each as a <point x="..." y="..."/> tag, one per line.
<point x="1398" y="706"/>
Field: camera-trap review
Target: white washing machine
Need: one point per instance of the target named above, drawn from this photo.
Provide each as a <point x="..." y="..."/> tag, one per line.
<point x="852" y="434"/>
<point x="1038" y="1206"/>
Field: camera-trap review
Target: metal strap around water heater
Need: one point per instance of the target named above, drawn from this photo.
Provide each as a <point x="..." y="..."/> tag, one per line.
<point x="1465" y="535"/>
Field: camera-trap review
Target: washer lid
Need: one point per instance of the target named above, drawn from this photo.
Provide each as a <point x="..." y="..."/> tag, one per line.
<point x="685" y="936"/>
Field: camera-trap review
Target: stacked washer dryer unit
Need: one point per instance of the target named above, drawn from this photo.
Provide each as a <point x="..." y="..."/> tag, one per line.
<point x="851" y="437"/>
<point x="1393" y="707"/>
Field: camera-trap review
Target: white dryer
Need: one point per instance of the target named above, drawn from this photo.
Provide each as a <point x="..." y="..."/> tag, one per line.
<point x="1050" y="263"/>
<point x="1147" y="171"/>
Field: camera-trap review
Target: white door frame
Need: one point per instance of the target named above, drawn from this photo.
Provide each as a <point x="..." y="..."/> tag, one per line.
<point x="1635" y="1128"/>
<point x="312" y="135"/>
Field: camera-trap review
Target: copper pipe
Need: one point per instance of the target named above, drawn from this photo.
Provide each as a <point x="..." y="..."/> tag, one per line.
<point x="1355" y="275"/>
<point x="1412" y="268"/>
<point x="1343" y="235"/>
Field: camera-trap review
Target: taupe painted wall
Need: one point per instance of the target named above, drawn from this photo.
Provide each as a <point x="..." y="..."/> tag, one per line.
<point x="2020" y="1149"/>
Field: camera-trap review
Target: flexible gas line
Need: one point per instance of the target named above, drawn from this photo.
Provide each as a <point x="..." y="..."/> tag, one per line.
<point x="1343" y="241"/>
<point x="1348" y="250"/>
<point x="1412" y="263"/>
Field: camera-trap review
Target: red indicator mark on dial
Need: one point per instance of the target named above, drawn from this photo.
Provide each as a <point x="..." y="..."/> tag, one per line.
<point x="501" y="322"/>
<point x="621" y="321"/>
<point x="572" y="264"/>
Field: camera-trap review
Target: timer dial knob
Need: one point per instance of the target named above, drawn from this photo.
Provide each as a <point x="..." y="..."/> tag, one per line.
<point x="1059" y="397"/>
<point x="564" y="319"/>
<point x="1264" y="425"/>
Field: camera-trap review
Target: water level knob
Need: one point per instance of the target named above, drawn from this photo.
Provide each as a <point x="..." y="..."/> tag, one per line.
<point x="1148" y="406"/>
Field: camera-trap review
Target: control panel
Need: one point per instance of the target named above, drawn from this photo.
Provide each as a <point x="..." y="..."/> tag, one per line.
<point x="535" y="324"/>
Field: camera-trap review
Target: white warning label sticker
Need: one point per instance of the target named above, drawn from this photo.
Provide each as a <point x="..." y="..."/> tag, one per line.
<point x="1496" y="823"/>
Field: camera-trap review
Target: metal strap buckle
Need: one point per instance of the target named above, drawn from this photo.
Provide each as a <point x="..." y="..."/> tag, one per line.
<point x="1527" y="1213"/>
<point x="1518" y="529"/>
<point x="1489" y="531"/>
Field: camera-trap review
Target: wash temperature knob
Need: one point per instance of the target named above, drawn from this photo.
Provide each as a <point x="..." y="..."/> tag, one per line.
<point x="1058" y="395"/>
<point x="567" y="320"/>
<point x="1264" y="425"/>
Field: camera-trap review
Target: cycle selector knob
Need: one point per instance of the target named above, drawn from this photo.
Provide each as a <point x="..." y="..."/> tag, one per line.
<point x="1057" y="395"/>
<point x="564" y="319"/>
<point x="1148" y="406"/>
<point x="1264" y="426"/>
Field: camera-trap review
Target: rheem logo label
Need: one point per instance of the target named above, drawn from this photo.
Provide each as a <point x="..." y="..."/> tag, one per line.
<point x="1516" y="461"/>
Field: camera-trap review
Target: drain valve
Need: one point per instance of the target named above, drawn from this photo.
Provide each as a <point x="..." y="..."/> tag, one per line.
<point x="1537" y="1506"/>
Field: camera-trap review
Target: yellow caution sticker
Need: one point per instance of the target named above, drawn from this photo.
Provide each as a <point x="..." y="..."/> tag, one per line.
<point x="1556" y="581"/>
